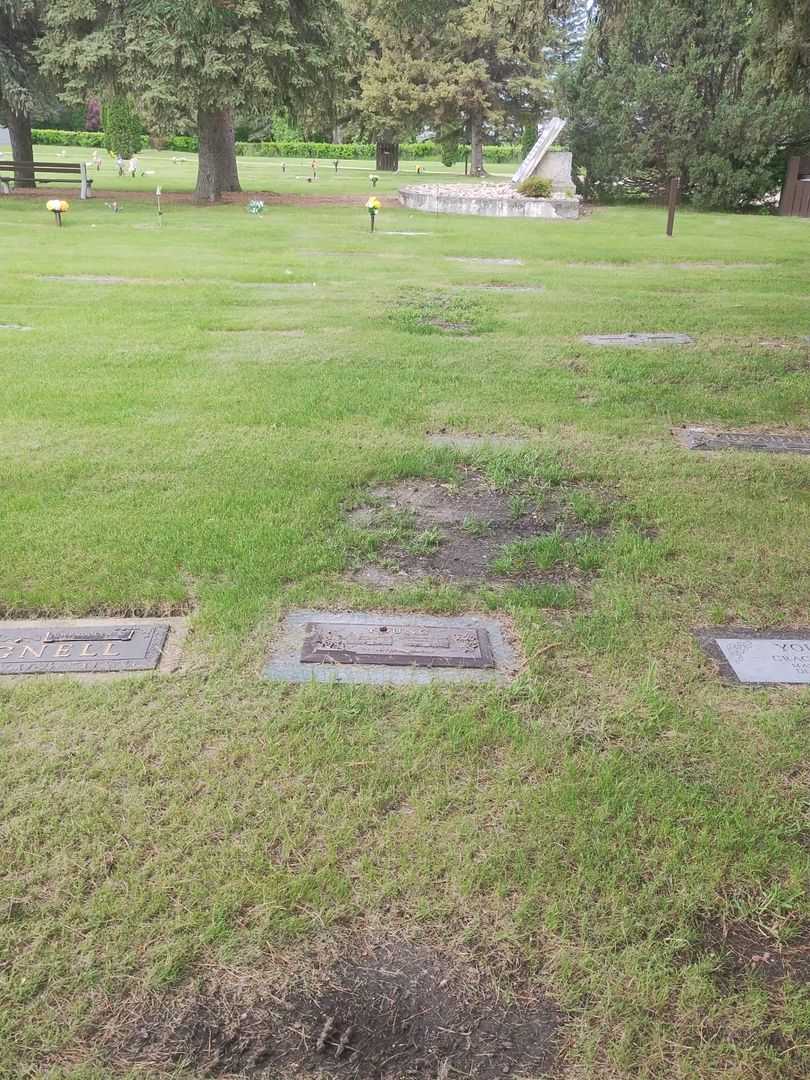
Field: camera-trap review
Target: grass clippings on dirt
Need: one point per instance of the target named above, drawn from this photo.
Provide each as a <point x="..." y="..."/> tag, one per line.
<point x="384" y="1008"/>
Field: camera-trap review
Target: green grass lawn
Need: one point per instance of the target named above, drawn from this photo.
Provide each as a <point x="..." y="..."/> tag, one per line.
<point x="168" y="445"/>
<point x="176" y="171"/>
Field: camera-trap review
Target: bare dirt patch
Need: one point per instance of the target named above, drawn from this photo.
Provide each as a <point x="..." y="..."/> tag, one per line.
<point x="469" y="531"/>
<point x="744" y="949"/>
<point x="386" y="1009"/>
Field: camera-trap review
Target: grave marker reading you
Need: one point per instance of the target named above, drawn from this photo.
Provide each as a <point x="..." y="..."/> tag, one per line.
<point x="65" y="649"/>
<point x="760" y="657"/>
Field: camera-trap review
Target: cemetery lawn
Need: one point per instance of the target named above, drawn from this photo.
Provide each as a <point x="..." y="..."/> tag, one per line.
<point x="177" y="172"/>
<point x="618" y="827"/>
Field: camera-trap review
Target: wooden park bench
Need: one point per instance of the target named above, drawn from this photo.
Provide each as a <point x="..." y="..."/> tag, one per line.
<point x="47" y="172"/>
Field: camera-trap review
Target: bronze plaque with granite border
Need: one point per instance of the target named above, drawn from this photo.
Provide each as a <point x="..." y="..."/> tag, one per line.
<point x="64" y="649"/>
<point x="399" y="645"/>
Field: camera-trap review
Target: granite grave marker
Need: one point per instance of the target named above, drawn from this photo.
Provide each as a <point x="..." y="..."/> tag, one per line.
<point x="765" y="657"/>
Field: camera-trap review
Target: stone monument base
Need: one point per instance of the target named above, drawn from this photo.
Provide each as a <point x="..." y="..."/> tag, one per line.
<point x="487" y="200"/>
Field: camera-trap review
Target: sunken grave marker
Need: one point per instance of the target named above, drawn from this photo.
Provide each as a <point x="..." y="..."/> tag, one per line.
<point x="697" y="438"/>
<point x="636" y="340"/>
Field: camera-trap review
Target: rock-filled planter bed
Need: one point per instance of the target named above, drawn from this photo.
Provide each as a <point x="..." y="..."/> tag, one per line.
<point x="487" y="200"/>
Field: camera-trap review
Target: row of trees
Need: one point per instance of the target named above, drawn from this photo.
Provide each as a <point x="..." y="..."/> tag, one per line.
<point x="460" y="66"/>
<point x="716" y="93"/>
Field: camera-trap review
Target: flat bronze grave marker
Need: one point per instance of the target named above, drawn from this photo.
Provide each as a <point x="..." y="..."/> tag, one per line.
<point x="760" y="656"/>
<point x="696" y="438"/>
<point x="391" y="649"/>
<point x="65" y="649"/>
<point x="399" y="645"/>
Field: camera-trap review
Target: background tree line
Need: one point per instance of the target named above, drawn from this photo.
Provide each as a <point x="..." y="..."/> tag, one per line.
<point x="714" y="93"/>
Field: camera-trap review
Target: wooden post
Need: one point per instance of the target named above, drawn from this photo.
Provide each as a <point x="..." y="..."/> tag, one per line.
<point x="674" y="189"/>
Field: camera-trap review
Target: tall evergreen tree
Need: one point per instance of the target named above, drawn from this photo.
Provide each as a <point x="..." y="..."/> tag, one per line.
<point x="199" y="57"/>
<point x="682" y="89"/>
<point x="19" y="28"/>
<point x="455" y="64"/>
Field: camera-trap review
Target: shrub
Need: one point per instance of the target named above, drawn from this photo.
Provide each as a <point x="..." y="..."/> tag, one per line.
<point x="536" y="187"/>
<point x="186" y="144"/>
<point x="53" y="137"/>
<point x="122" y="128"/>
<point x="92" y="120"/>
<point x="451" y="152"/>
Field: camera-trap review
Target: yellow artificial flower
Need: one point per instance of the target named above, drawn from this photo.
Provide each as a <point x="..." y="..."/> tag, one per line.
<point x="58" y="205"/>
<point x="373" y="204"/>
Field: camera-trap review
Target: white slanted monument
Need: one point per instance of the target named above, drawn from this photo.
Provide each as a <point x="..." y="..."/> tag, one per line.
<point x="543" y="161"/>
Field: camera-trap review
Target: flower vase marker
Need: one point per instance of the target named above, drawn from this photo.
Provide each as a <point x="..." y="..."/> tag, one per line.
<point x="57" y="207"/>
<point x="373" y="206"/>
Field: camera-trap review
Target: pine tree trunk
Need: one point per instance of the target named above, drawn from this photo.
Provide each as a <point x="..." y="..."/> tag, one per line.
<point x="230" y="173"/>
<point x="22" y="147"/>
<point x="216" y="167"/>
<point x="476" y="145"/>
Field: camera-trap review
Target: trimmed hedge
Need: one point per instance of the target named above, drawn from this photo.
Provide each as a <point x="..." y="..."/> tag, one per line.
<point x="188" y="144"/>
<point x="365" y="151"/>
<point x="52" y="137"/>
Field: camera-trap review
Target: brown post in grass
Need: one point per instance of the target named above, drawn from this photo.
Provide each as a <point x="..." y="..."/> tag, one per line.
<point x="674" y="189"/>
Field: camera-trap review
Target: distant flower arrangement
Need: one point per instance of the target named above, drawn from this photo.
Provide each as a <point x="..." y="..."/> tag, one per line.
<point x="57" y="207"/>
<point x="374" y="179"/>
<point x="255" y="206"/>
